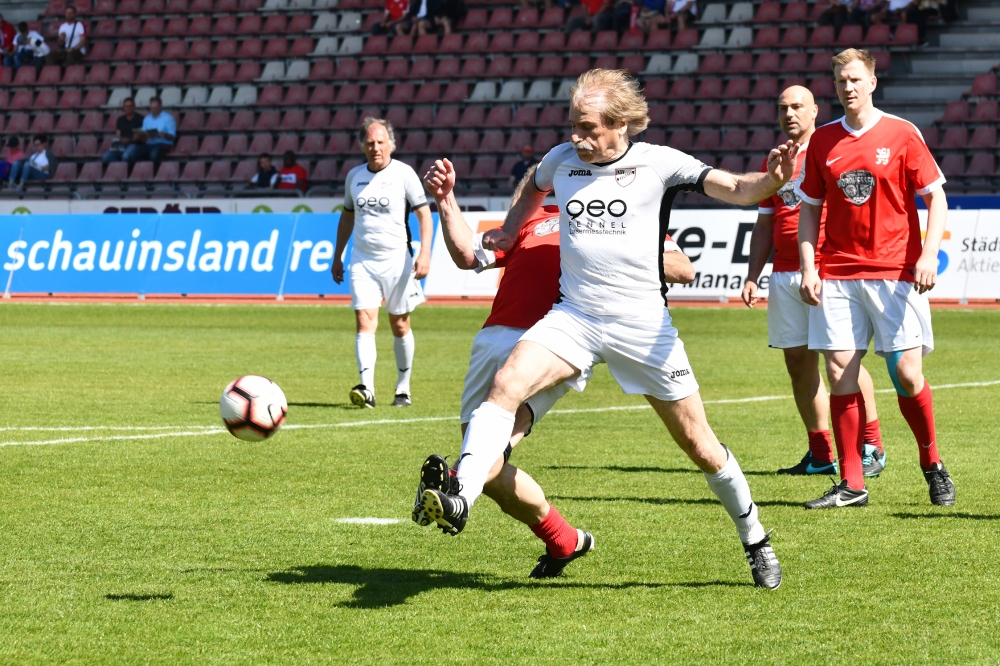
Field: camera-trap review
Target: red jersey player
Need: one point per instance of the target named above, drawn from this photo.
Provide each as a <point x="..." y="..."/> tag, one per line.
<point x="874" y="274"/>
<point x="777" y="230"/>
<point x="529" y="287"/>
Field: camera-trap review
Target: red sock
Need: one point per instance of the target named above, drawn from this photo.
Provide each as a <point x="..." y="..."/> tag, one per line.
<point x="559" y="536"/>
<point x="919" y="413"/>
<point x="848" y="413"/>
<point x="820" y="446"/>
<point x="873" y="435"/>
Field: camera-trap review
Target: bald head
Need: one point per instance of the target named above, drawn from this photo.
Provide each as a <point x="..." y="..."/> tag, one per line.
<point x="797" y="113"/>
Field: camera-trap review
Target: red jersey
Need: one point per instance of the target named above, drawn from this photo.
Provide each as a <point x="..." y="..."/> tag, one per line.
<point x="396" y="9"/>
<point x="784" y="206"/>
<point x="530" y="284"/>
<point x="291" y="178"/>
<point x="869" y="178"/>
<point x="7" y="35"/>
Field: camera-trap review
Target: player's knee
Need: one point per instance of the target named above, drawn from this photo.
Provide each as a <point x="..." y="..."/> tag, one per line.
<point x="400" y="325"/>
<point x="905" y="372"/>
<point x="801" y="364"/>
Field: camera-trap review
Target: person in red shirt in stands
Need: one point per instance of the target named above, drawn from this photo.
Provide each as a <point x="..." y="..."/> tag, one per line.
<point x="874" y="274"/>
<point x="292" y="176"/>
<point x="7" y="35"/>
<point x="395" y="19"/>
<point x="527" y="291"/>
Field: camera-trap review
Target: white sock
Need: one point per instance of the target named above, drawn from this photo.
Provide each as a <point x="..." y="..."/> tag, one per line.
<point x="485" y="440"/>
<point x="732" y="489"/>
<point x="364" y="349"/>
<point x="404" y="362"/>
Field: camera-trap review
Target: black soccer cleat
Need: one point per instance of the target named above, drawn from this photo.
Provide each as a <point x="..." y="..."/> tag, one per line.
<point x="872" y="461"/>
<point x="402" y="400"/>
<point x="449" y="511"/>
<point x="807" y="467"/>
<point x="362" y="397"/>
<point x="764" y="566"/>
<point x="550" y="567"/>
<point x="434" y="473"/>
<point x="940" y="485"/>
<point x="840" y="495"/>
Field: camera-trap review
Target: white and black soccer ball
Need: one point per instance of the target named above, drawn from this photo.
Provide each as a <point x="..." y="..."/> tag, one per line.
<point x="253" y="408"/>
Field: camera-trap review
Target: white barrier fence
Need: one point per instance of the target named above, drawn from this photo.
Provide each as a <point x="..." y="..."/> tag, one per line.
<point x="718" y="243"/>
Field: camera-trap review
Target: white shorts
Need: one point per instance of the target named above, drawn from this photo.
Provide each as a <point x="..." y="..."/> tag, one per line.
<point x="391" y="279"/>
<point x="643" y="352"/>
<point x="787" y="313"/>
<point x="852" y="312"/>
<point x="490" y="349"/>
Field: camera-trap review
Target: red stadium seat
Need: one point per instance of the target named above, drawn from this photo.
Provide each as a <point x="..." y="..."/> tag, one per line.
<point x="492" y="142"/>
<point x="321" y="96"/>
<point x="71" y="99"/>
<point x="527" y="42"/>
<point x="822" y="36"/>
<point x="473" y="116"/>
<point x="313" y="144"/>
<point x="101" y="51"/>
<point x="500" y="67"/>
<point x="296" y="96"/>
<point x="375" y="93"/>
<point x="153" y="27"/>
<point x="248" y="71"/>
<point x="243" y="120"/>
<point x="226" y="6"/>
<point x="467" y="142"/>
<point x="76" y="75"/>
<point x="23" y="99"/>
<point x="956" y="112"/>
<point x="447" y="68"/>
<point x="768" y="12"/>
<point x="47" y="99"/>
<point x="322" y="70"/>
<point x="426" y="44"/>
<point x="981" y="164"/>
<point x="765" y="38"/>
<point x="606" y="40"/>
<point x="177" y="27"/>
<point x="447" y="115"/>
<point x="250" y="26"/>
<point x="450" y="43"/>
<point x="821" y="62"/>
<point x="552" y="18"/>
<point x="499" y="116"/>
<point x="397" y="68"/>
<point x="319" y="119"/>
<point x="575" y="66"/>
<point x="850" y="36"/>
<point x="795" y="12"/>
<point x="655" y="136"/>
<point x="502" y="42"/>
<point x="553" y="41"/>
<point x="422" y="117"/>
<point x="261" y="143"/>
<point x="200" y="7"/>
<point x="376" y="45"/>
<point x="130" y="27"/>
<point x="953" y="165"/>
<point x="822" y="87"/>
<point x="301" y="47"/>
<point x="767" y="63"/>
<point x="518" y="140"/>
<point x="227" y="25"/>
<point x="200" y="72"/>
<point x="682" y="89"/>
<point x="104" y="7"/>
<point x="276" y="24"/>
<point x="553" y="116"/>
<point x="326" y="170"/>
<point x="148" y="74"/>
<point x="17" y="124"/>
<point x="682" y="114"/>
<point x="245" y="170"/>
<point x="762" y="140"/>
<point x="93" y="121"/>
<point x="142" y="172"/>
<point x="878" y="35"/>
<point x="346" y="166"/>
<point x="709" y="88"/>
<point x="276" y="48"/>
<point x="795" y="37"/>
<point x="348" y="94"/>
<point x="765" y="88"/>
<point x="734" y="140"/>
<point x="219" y="171"/>
<point x="656" y="89"/>
<point x="905" y="35"/>
<point x="441" y="142"/>
<point x="475" y="19"/>
<point x="299" y="24"/>
<point x="91" y="172"/>
<point x="659" y="114"/>
<point x="955" y="138"/>
<point x="225" y="49"/>
<point x="347" y="70"/>
<point x="186" y="145"/>
<point x="500" y="19"/>
<point x="212" y="145"/>
<point x="251" y="49"/>
<point x="456" y="92"/>
<point x="341" y="144"/>
<point x="681" y="139"/>
<point x="986" y="111"/>
<point x="710" y="114"/>
<point x="732" y="164"/>
<point x="153" y="50"/>
<point x="415" y="142"/>
<point x="402" y="93"/>
<point x="817" y="11"/>
<point x="43" y="123"/>
<point x="176" y="7"/>
<point x="285" y="143"/>
<point x="270" y="96"/>
<point x="715" y="63"/>
<point x="527" y="19"/>
<point x="201" y="49"/>
<point x="116" y="172"/>
<point x="984" y="84"/>
<point x="175" y="50"/>
<point x="525" y="116"/>
<point x="194" y="121"/>
<point x="105" y="28"/>
<point x="65" y="173"/>
<point x="793" y="63"/>
<point x="25" y="76"/>
<point x="173" y="73"/>
<point x="401" y="44"/>
<point x="736" y="114"/>
<point x="485" y="167"/>
<point x="685" y="40"/>
<point x="86" y="146"/>
<point x="578" y="41"/>
<point x="268" y="121"/>
<point x="763" y="114"/>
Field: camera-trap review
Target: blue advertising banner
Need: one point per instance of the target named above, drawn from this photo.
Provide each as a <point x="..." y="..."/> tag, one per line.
<point x="172" y="254"/>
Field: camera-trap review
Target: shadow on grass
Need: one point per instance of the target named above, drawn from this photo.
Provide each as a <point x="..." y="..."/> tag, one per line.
<point x="380" y="588"/>
<point x="326" y="405"/>
<point x="665" y="500"/>
<point x="138" y="597"/>
<point x="960" y="516"/>
<point x="620" y="468"/>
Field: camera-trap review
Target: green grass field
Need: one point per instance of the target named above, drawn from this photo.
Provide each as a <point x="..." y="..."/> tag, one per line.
<point x="195" y="549"/>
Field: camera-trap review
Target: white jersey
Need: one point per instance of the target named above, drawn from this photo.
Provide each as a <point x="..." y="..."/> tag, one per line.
<point x="381" y="203"/>
<point x="613" y="221"/>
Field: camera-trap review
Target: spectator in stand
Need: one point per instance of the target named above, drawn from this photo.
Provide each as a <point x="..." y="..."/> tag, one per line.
<point x="914" y="11"/>
<point x="71" y="46"/>
<point x="157" y="136"/>
<point x="39" y="166"/>
<point x="595" y="14"/>
<point x="125" y="128"/>
<point x="11" y="155"/>
<point x="266" y="176"/>
<point x="868" y="13"/>
<point x="546" y="4"/>
<point x="519" y="169"/>
<point x="292" y="175"/>
<point x="681" y="11"/>
<point x="617" y="19"/>
<point x="426" y="15"/>
<point x="653" y="14"/>
<point x="838" y="13"/>
<point x="7" y="34"/>
<point x="29" y="48"/>
<point x="395" y="20"/>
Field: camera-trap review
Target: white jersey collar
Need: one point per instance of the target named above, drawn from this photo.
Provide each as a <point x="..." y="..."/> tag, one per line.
<point x="857" y="133"/>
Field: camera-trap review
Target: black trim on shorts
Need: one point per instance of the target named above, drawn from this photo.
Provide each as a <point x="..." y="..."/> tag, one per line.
<point x="666" y="203"/>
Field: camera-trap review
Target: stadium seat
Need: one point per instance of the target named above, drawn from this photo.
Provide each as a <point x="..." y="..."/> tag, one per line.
<point x="401" y="44"/>
<point x="981" y="164"/>
<point x="606" y="40"/>
<point x="251" y="49"/>
<point x="175" y="50"/>
<point x="285" y="143"/>
<point x="710" y="114"/>
<point x="953" y="165"/>
<point x="243" y="120"/>
<point x="984" y="84"/>
<point x="248" y="71"/>
<point x="219" y="171"/>
<point x="452" y="43"/>
<point x="681" y="139"/>
<point x="553" y="17"/>
<point x="768" y="12"/>
<point x="425" y="44"/>
<point x="954" y="138"/>
<point x="709" y="88"/>
<point x="186" y="145"/>
<point x="685" y="40"/>
<point x="25" y="76"/>
<point x="276" y="48"/>
<point x="658" y="40"/>
<point x="62" y="146"/>
<point x="312" y="144"/>
<point x="194" y="121"/>
<point x="553" y="41"/>
<point x="475" y="19"/>
<point x="822" y="36"/>
<point x="682" y="114"/>
<point x="244" y="171"/>
<point x="850" y="36"/>
<point x="75" y="75"/>
<point x="344" y="119"/>
<point x="318" y="119"/>
<point x="93" y="121"/>
<point x="261" y="143"/>
<point x="226" y="25"/>
<point x="682" y="89"/>
<point x="399" y="68"/>
<point x="986" y="111"/>
<point x="878" y="35"/>
<point x="296" y="96"/>
<point x="766" y="38"/>
<point x="579" y="41"/>
<point x="447" y="68"/>
<point x="500" y="19"/>
<point x="71" y="99"/>
<point x="905" y="35"/>
<point x="956" y="112"/>
<point x="402" y="93"/>
<point x="23" y="99"/>
<point x="656" y="89"/>
<point x="46" y="99"/>
<point x="177" y="27"/>
<point x="714" y="63"/>
<point x="765" y="88"/>
<point x="325" y="170"/>
<point x="65" y="173"/>
<point x="153" y="27"/>
<point x="736" y="114"/>
<point x="631" y="41"/>
<point x="822" y="87"/>
<point x="101" y="51"/>
<point x="762" y="140"/>
<point x="201" y="49"/>
<point x="795" y="12"/>
<point x="49" y="76"/>
<point x="341" y="143"/>
<point x="502" y="42"/>
<point x="86" y="146"/>
<point x="527" y="42"/>
<point x="499" y="116"/>
<point x="91" y="172"/>
<point x="142" y="173"/>
<point x="527" y="19"/>
<point x="225" y="49"/>
<point x="116" y="172"/>
<point x="212" y="145"/>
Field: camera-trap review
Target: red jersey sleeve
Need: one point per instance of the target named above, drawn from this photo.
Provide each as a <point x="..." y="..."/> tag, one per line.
<point x="921" y="168"/>
<point x="811" y="187"/>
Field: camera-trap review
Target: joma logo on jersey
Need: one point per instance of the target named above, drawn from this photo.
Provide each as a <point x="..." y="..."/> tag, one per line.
<point x="678" y="373"/>
<point x="580" y="172"/>
<point x="595" y="208"/>
<point x="625" y="177"/>
<point x="882" y="156"/>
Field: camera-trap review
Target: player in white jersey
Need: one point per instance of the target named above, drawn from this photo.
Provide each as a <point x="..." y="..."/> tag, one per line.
<point x="614" y="198"/>
<point x="378" y="199"/>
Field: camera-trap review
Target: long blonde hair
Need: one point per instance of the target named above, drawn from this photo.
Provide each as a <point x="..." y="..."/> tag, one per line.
<point x="623" y="100"/>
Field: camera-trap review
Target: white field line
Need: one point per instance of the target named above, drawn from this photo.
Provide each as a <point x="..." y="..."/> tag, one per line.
<point x="369" y="521"/>
<point x="191" y="431"/>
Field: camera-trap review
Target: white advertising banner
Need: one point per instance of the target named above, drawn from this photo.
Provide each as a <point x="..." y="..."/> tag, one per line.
<point x="111" y="206"/>
<point x="718" y="243"/>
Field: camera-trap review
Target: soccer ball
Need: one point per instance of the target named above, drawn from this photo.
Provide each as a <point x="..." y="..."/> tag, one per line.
<point x="253" y="408"/>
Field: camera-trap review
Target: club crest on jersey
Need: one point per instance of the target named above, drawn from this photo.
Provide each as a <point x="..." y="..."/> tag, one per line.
<point x="625" y="177"/>
<point x="546" y="227"/>
<point x="788" y="195"/>
<point x="882" y="156"/>
<point x="857" y="186"/>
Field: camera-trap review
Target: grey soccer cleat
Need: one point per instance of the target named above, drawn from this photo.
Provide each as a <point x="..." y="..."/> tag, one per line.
<point x="402" y="400"/>
<point x="764" y="566"/>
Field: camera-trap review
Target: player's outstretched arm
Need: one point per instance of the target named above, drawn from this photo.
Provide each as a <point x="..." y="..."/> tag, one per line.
<point x="809" y="219"/>
<point x="677" y="268"/>
<point x="524" y="204"/>
<point x="422" y="264"/>
<point x="925" y="272"/>
<point x="749" y="188"/>
<point x="761" y="245"/>
<point x="458" y="237"/>
<point x="344" y="231"/>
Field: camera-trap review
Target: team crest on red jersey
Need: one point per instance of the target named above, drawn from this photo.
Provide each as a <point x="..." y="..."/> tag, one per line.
<point x="625" y="177"/>
<point x="857" y="185"/>
<point x="546" y="227"/>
